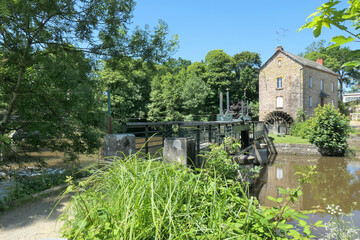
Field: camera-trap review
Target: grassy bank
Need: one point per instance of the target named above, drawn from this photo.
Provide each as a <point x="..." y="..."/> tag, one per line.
<point x="144" y="199"/>
<point x="288" y="139"/>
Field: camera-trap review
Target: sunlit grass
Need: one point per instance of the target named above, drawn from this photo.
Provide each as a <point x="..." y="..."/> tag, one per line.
<point x="288" y="139"/>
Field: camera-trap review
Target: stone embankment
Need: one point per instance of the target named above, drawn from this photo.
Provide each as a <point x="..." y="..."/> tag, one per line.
<point x="300" y="149"/>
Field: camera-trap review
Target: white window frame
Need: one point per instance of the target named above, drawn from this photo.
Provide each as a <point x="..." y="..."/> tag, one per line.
<point x="321" y="84"/>
<point x="277" y="82"/>
<point x="310" y="102"/>
<point x="332" y="87"/>
<point x="279" y="102"/>
<point x="332" y="102"/>
<point x="310" y="82"/>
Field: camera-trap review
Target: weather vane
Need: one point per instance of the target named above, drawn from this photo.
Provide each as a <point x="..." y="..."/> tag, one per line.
<point x="281" y="31"/>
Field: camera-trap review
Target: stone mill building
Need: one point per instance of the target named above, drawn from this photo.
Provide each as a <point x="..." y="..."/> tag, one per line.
<point x="288" y="82"/>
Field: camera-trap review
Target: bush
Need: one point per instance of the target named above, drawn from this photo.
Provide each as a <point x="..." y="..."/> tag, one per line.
<point x="301" y="127"/>
<point x="329" y="130"/>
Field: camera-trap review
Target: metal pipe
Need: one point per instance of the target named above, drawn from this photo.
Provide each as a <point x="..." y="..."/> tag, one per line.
<point x="221" y="103"/>
<point x="247" y="107"/>
<point x="227" y="102"/>
<point x="109" y="113"/>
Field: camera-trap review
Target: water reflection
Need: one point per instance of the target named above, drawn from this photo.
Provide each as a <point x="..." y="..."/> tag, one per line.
<point x="337" y="182"/>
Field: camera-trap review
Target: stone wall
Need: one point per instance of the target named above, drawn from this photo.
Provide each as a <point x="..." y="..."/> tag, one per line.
<point x="300" y="149"/>
<point x="315" y="90"/>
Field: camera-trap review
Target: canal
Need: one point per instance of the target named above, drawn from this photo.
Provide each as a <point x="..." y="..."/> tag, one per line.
<point x="336" y="183"/>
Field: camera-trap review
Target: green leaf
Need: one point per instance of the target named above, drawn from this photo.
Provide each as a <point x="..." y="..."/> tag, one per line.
<point x="340" y="40"/>
<point x="302" y="223"/>
<point x="307" y="230"/>
<point x="272" y="198"/>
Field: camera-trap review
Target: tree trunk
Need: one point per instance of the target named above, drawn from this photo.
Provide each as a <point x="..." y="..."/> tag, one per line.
<point x="341" y="89"/>
<point x="12" y="103"/>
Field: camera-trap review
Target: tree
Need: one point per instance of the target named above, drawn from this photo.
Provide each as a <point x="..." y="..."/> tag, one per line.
<point x="36" y="36"/>
<point x="130" y="84"/>
<point x="346" y="19"/>
<point x="194" y="95"/>
<point x="329" y="130"/>
<point x="247" y="75"/>
<point x="165" y="98"/>
<point x="334" y="59"/>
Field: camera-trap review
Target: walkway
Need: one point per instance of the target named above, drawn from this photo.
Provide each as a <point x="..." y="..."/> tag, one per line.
<point x="30" y="222"/>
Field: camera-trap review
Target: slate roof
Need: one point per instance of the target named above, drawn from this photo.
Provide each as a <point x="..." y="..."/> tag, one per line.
<point x="302" y="61"/>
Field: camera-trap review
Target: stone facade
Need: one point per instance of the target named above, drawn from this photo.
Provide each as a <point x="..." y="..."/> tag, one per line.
<point x="286" y="77"/>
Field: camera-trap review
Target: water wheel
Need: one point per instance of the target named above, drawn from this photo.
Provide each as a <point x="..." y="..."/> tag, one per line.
<point x="278" y="117"/>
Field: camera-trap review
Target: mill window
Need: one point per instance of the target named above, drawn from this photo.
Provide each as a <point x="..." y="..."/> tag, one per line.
<point x="279" y="83"/>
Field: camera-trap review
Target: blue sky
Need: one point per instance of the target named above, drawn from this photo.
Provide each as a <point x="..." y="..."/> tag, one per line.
<point x="233" y="25"/>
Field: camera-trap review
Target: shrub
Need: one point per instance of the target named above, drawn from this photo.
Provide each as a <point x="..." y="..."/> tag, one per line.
<point x="329" y="130"/>
<point x="301" y="126"/>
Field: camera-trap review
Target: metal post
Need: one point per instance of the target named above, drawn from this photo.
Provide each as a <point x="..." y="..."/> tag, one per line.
<point x="181" y="130"/>
<point x="221" y="103"/>
<point x="163" y="135"/>
<point x="198" y="139"/>
<point x="227" y="102"/>
<point x="109" y="113"/>
<point x="253" y="131"/>
<point x="210" y="133"/>
<point x="242" y="109"/>
<point x="146" y="139"/>
<point x="247" y="107"/>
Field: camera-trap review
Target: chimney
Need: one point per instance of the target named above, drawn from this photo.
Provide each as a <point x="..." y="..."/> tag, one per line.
<point x="278" y="48"/>
<point x="320" y="61"/>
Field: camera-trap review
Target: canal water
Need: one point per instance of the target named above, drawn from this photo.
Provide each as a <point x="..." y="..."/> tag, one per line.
<point x="336" y="183"/>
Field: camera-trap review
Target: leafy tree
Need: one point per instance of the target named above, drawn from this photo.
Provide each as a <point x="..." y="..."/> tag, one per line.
<point x="130" y="84"/>
<point x="329" y="130"/>
<point x="165" y="98"/>
<point x="194" y="95"/>
<point x="198" y="68"/>
<point x="345" y="19"/>
<point x="45" y="46"/>
<point x="220" y="69"/>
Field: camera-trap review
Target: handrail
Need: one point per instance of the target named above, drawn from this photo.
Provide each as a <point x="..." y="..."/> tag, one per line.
<point x="202" y="131"/>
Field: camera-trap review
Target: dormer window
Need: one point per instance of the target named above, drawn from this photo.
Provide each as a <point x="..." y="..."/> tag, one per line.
<point x="279" y="83"/>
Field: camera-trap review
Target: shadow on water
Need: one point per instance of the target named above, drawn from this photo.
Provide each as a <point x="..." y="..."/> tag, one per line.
<point x="337" y="182"/>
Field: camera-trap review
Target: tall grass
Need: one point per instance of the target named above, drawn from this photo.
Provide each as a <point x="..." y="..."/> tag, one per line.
<point x="144" y="199"/>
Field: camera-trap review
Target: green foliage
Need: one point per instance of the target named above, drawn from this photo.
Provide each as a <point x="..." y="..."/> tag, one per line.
<point x="194" y="96"/>
<point x="329" y="130"/>
<point x="129" y="83"/>
<point x="47" y="50"/>
<point x="254" y="110"/>
<point x="344" y="108"/>
<point x="346" y="19"/>
<point x="194" y="88"/>
<point x="30" y="181"/>
<point x="144" y="199"/>
<point x="301" y="127"/>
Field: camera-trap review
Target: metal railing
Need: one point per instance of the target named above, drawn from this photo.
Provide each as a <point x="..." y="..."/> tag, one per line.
<point x="151" y="135"/>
